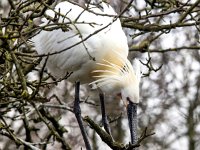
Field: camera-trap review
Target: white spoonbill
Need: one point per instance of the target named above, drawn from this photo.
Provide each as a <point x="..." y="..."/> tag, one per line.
<point x="90" y="43"/>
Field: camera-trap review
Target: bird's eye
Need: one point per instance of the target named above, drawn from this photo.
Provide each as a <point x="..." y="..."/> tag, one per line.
<point x="127" y="98"/>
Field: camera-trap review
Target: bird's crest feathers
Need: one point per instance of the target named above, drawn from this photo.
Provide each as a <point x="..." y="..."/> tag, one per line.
<point x="121" y="75"/>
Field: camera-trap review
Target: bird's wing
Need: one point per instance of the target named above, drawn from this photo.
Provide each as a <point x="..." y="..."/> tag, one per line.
<point x="83" y="25"/>
<point x="85" y="20"/>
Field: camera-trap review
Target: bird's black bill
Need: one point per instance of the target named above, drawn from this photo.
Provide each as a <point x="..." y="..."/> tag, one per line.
<point x="77" y="112"/>
<point x="132" y="120"/>
<point x="104" y="116"/>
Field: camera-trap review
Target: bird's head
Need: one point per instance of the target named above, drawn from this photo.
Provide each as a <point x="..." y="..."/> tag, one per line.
<point x="130" y="83"/>
<point x="122" y="80"/>
<point x="130" y="93"/>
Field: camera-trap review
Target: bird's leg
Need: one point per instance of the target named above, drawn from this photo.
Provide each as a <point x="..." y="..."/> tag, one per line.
<point x="77" y="112"/>
<point x="132" y="120"/>
<point x="104" y="116"/>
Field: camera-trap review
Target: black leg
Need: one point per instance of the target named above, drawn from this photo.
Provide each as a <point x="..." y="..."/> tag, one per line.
<point x="77" y="112"/>
<point x="104" y="117"/>
<point x="132" y="120"/>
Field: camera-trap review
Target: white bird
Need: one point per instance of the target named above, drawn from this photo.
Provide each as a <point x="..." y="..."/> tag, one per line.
<point x="99" y="58"/>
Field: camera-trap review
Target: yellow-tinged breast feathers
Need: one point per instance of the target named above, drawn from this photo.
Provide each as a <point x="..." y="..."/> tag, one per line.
<point x="114" y="72"/>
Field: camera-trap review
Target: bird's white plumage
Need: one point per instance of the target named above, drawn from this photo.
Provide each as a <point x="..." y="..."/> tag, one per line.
<point x="107" y="44"/>
<point x="98" y="45"/>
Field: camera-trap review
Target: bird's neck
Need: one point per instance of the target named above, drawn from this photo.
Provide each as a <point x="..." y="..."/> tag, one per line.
<point x="107" y="64"/>
<point x="108" y="73"/>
